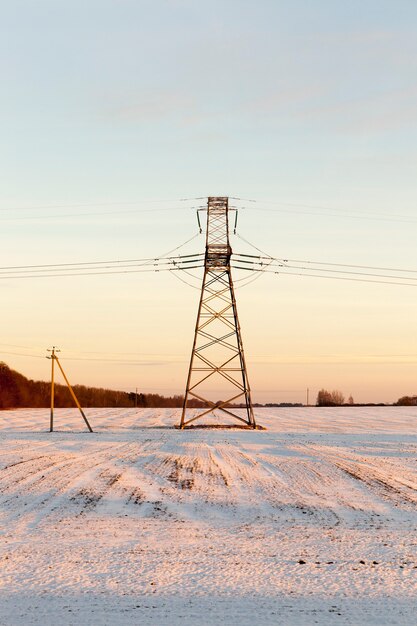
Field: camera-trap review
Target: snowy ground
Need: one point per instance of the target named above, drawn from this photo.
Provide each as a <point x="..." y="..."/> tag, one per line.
<point x="312" y="521"/>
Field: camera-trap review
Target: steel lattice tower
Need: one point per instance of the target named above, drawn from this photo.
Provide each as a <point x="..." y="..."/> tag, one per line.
<point x="217" y="353"/>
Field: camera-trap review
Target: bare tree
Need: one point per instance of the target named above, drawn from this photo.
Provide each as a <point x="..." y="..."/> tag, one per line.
<point x="330" y="398"/>
<point x="337" y="397"/>
<point x="324" y="398"/>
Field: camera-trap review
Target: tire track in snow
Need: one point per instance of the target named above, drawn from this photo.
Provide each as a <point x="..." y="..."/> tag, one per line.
<point x="34" y="488"/>
<point x="382" y="480"/>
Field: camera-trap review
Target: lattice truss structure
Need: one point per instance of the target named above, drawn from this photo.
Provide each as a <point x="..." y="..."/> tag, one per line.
<point x="217" y="358"/>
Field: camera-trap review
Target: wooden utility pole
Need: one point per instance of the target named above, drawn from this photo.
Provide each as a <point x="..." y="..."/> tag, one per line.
<point x="54" y="358"/>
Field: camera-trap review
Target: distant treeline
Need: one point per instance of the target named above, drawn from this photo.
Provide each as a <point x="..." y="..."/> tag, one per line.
<point x="336" y="398"/>
<point x="17" y="391"/>
<point x="407" y="401"/>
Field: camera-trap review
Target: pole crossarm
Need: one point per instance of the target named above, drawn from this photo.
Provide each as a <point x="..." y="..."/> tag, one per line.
<point x="217" y="355"/>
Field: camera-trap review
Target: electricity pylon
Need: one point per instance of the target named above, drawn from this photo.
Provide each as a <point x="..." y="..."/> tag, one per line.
<point x="217" y="353"/>
<point x="54" y="358"/>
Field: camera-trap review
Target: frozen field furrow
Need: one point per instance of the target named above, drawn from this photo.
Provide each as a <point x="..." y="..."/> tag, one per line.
<point x="312" y="521"/>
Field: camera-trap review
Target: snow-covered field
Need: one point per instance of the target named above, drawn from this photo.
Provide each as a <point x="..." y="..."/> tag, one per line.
<point x="312" y="521"/>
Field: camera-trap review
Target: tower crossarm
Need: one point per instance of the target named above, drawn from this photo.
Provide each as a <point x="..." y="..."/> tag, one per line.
<point x="218" y="250"/>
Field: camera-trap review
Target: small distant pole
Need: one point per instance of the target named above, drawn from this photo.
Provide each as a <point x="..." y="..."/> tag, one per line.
<point x="54" y="358"/>
<point x="136" y="398"/>
<point x="308" y="397"/>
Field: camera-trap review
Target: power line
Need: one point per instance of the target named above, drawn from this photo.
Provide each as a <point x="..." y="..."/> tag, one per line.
<point x="331" y="271"/>
<point x="362" y="280"/>
<point x="100" y="360"/>
<point x="247" y="281"/>
<point x="294" y="208"/>
<point x="253" y="246"/>
<point x="369" y="267"/>
<point x="324" y="269"/>
<point x="91" y="264"/>
<point x="98" y="204"/>
<point x="33" y="356"/>
<point x="256" y="263"/>
<point x="353" y="273"/>
<point x="188" y="262"/>
<point x="184" y="258"/>
<point x="87" y="273"/>
<point x="103" y="355"/>
<point x="185" y="281"/>
<point x="12" y="345"/>
<point x="162" y="265"/>
<point x="341" y="212"/>
<point x="182" y="245"/>
<point x="94" y="214"/>
<point x="126" y="361"/>
<point x="180" y="359"/>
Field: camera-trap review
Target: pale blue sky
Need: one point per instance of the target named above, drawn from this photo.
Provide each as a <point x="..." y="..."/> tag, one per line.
<point x="308" y="107"/>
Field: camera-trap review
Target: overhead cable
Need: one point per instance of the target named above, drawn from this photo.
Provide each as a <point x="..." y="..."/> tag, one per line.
<point x="82" y="267"/>
<point x="161" y="268"/>
<point x="284" y="272"/>
<point x="369" y="267"/>
<point x="326" y="270"/>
